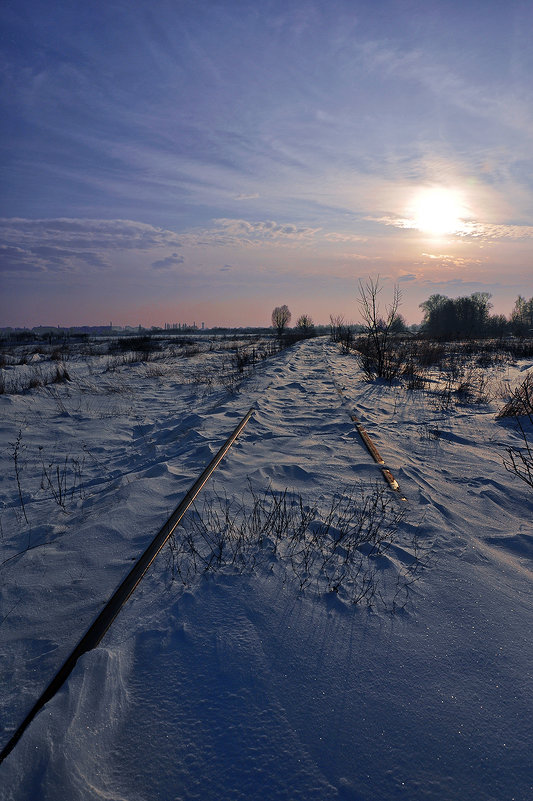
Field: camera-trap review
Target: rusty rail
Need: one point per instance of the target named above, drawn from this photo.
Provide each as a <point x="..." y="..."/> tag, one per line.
<point x="368" y="443"/>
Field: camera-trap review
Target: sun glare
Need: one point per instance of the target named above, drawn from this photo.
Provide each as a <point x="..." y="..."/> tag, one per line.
<point x="438" y="212"/>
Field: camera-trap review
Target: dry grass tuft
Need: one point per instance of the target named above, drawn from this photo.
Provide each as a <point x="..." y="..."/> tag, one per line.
<point x="521" y="402"/>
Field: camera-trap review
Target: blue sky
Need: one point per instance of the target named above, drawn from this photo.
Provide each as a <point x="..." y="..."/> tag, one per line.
<point x="179" y="160"/>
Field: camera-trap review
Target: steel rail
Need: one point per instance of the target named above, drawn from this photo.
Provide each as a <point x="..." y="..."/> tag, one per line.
<point x="103" y="621"/>
<point x="368" y="443"/>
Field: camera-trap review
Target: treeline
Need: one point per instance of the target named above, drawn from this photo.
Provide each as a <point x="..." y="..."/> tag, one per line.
<point x="469" y="317"/>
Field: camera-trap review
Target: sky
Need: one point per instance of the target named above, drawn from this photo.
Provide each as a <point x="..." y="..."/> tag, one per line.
<point x="202" y="161"/>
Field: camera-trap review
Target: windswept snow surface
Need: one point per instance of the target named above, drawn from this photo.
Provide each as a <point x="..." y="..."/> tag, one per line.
<point x="241" y="686"/>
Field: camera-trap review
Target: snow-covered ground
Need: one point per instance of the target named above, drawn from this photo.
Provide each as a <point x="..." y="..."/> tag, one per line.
<point x="242" y="685"/>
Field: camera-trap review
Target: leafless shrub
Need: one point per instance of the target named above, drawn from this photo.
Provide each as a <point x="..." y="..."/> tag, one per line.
<point x="116" y="362"/>
<point x="519" y="460"/>
<point x="15" y="455"/>
<point x="343" y="333"/>
<point x="414" y="374"/>
<point x="63" y="480"/>
<point x="333" y="547"/>
<point x="243" y="358"/>
<point x="415" y="380"/>
<point x="204" y="376"/>
<point x="471" y="387"/>
<point x="214" y="374"/>
<point x="35" y="380"/>
<point x="429" y="353"/>
<point x="189" y="351"/>
<point x="459" y="385"/>
<point x="521" y="401"/>
<point x="155" y="370"/>
<point x="112" y="364"/>
<point x="486" y="360"/>
<point x="230" y="381"/>
<point x="58" y="400"/>
<point x="429" y="433"/>
<point x="459" y="368"/>
<point x="60" y="354"/>
<point x="502" y="389"/>
<point x="61" y="375"/>
<point x="246" y="357"/>
<point x="141" y="344"/>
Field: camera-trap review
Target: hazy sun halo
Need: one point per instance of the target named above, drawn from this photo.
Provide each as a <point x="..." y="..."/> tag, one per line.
<point x="438" y="211"/>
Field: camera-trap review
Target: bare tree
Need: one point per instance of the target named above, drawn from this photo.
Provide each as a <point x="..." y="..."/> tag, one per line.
<point x="336" y="322"/>
<point x="305" y="323"/>
<point x="341" y="332"/>
<point x="281" y="318"/>
<point x="378" y="347"/>
<point x="522" y="316"/>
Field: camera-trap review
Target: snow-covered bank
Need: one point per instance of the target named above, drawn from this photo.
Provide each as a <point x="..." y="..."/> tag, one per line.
<point x="242" y="686"/>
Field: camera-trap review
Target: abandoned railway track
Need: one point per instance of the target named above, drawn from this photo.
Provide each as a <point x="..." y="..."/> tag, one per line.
<point x="116" y="602"/>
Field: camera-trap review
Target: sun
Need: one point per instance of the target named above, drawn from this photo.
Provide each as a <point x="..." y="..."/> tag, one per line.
<point x="438" y="211"/>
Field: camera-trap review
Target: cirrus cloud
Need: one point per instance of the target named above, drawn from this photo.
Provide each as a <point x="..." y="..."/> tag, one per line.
<point x="68" y="245"/>
<point x="477" y="230"/>
<point x="87" y="233"/>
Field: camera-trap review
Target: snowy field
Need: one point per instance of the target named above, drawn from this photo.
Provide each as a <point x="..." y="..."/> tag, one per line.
<point x="287" y="664"/>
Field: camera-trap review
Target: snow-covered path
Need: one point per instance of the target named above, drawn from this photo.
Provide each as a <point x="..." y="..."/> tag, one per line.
<point x="242" y="687"/>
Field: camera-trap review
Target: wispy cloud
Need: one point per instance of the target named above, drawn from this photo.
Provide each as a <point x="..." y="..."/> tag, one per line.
<point x="446" y="260"/>
<point x="465" y="228"/>
<point x="239" y="232"/>
<point x="456" y="284"/>
<point x="487" y="100"/>
<point x="168" y="262"/>
<point x="267" y="229"/>
<point x="14" y="259"/>
<point x="71" y="244"/>
<point x="252" y="196"/>
<point x="341" y="237"/>
<point x="67" y="232"/>
<point x="497" y="231"/>
<point x="368" y="257"/>
<point x="48" y="258"/>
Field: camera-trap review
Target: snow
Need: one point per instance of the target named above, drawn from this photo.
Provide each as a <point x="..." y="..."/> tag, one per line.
<point x="242" y="685"/>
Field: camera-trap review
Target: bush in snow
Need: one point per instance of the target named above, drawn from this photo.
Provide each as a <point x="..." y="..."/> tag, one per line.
<point x="335" y="546"/>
